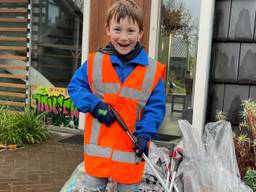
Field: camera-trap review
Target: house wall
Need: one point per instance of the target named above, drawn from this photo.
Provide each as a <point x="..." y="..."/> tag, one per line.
<point x="97" y="35"/>
<point x="233" y="66"/>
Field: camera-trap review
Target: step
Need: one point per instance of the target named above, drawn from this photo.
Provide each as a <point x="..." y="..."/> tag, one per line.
<point x="54" y="66"/>
<point x="58" y="56"/>
<point x="64" y="36"/>
<point x="60" y="46"/>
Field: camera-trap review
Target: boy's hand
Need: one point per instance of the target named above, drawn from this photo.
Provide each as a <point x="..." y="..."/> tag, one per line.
<point x="142" y="145"/>
<point x="104" y="114"/>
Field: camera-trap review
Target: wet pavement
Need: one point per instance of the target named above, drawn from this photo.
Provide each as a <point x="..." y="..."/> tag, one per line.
<point x="39" y="167"/>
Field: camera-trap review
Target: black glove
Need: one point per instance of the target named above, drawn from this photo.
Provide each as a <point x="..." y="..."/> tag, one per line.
<point x="103" y="113"/>
<point x="142" y="145"/>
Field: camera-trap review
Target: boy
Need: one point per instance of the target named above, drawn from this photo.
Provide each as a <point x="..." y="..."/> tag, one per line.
<point x="123" y="76"/>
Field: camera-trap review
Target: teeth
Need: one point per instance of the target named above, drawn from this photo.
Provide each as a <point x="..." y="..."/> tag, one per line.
<point x="124" y="45"/>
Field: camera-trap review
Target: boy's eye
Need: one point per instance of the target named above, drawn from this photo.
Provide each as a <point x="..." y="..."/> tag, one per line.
<point x="117" y="29"/>
<point x="130" y="30"/>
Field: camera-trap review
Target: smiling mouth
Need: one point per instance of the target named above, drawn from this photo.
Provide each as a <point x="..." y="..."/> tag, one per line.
<point x="123" y="45"/>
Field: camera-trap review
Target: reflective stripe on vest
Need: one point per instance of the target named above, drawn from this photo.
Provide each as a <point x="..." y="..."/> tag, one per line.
<point x="95" y="150"/>
<point x="144" y="94"/>
<point x="124" y="157"/>
<point x="95" y="131"/>
<point x="101" y="87"/>
<point x="120" y="156"/>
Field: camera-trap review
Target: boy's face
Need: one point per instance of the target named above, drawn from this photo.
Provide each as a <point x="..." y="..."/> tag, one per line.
<point x="123" y="35"/>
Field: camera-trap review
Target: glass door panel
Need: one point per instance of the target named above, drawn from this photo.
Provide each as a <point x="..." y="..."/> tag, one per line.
<point x="56" y="41"/>
<point x="178" y="39"/>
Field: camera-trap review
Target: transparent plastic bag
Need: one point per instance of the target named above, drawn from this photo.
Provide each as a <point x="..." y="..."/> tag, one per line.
<point x="209" y="165"/>
<point x="160" y="159"/>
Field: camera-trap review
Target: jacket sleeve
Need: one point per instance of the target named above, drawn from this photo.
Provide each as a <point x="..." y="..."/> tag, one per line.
<point x="80" y="92"/>
<point x="153" y="113"/>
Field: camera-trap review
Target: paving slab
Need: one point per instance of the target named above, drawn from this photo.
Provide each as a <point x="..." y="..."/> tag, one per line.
<point x="40" y="167"/>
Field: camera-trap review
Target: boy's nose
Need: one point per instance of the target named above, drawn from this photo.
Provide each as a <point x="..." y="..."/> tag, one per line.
<point x="123" y="36"/>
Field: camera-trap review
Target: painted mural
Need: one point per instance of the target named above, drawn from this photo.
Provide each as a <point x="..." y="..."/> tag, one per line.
<point x="58" y="105"/>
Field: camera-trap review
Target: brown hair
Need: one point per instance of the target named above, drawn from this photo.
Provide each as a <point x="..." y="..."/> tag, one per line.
<point x="125" y="8"/>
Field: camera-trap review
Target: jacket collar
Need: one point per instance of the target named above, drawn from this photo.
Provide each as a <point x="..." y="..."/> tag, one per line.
<point x="141" y="59"/>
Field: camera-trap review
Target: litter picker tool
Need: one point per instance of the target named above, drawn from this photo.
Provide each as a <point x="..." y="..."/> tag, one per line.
<point x="177" y="157"/>
<point x="132" y="137"/>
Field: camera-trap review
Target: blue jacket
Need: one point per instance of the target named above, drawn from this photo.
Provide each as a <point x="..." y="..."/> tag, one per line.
<point x="85" y="100"/>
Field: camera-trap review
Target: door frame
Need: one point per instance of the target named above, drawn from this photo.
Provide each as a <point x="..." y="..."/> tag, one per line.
<point x="203" y="65"/>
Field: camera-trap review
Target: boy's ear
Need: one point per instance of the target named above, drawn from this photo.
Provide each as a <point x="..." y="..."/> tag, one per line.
<point x="107" y="29"/>
<point x="140" y="35"/>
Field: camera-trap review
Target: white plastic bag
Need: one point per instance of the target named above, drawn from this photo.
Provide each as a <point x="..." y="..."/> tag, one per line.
<point x="210" y="165"/>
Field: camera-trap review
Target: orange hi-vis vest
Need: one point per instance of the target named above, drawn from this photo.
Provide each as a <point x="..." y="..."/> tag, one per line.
<point x="108" y="151"/>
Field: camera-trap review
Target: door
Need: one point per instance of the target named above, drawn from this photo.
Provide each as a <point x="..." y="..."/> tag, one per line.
<point x="178" y="38"/>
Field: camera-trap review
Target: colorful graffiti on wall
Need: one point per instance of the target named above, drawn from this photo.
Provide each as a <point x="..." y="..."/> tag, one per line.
<point x="58" y="105"/>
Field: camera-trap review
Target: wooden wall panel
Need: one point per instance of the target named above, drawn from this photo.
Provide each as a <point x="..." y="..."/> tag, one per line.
<point x="147" y="10"/>
<point x="14" y="48"/>
<point x="102" y="14"/>
<point x="97" y="35"/>
<point x="93" y="33"/>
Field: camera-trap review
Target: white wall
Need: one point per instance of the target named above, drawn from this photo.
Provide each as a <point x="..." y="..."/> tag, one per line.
<point x="85" y="45"/>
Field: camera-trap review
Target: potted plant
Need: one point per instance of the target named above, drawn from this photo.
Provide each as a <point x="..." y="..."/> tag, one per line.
<point x="245" y="142"/>
<point x="250" y="179"/>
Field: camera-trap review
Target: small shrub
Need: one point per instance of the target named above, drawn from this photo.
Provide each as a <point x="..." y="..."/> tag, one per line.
<point x="250" y="179"/>
<point x="245" y="153"/>
<point x="31" y="126"/>
<point x="220" y="115"/>
<point x="249" y="116"/>
<point x="9" y="132"/>
<point x="21" y="127"/>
